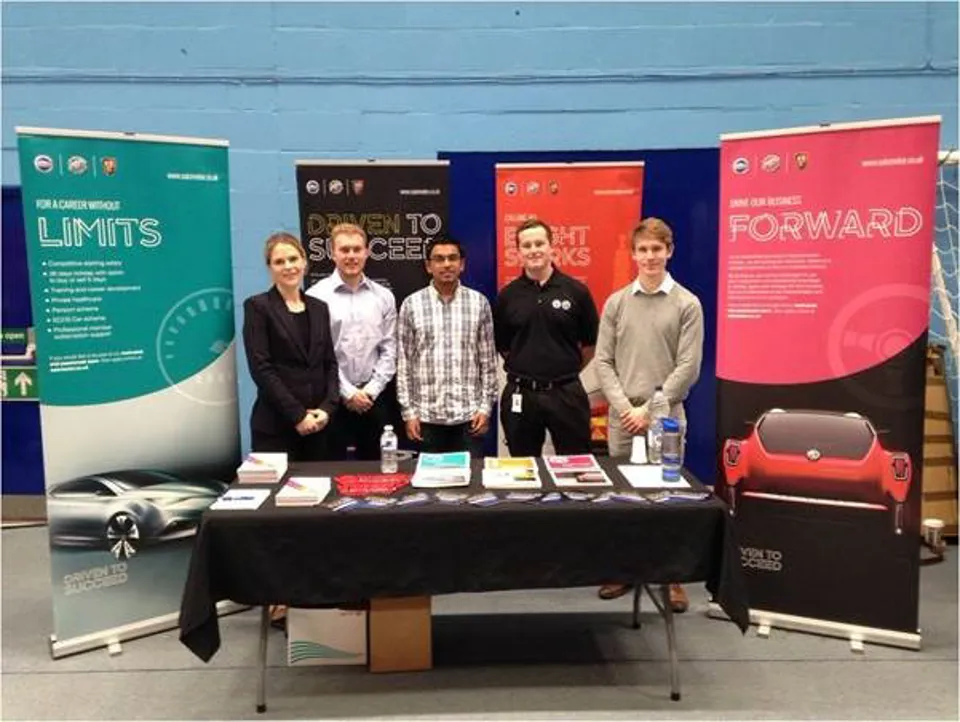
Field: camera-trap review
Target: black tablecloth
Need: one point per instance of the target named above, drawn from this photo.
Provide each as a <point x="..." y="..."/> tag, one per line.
<point x="315" y="557"/>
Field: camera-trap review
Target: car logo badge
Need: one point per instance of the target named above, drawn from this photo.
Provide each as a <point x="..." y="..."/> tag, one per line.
<point x="741" y="165"/>
<point x="77" y="164"/>
<point x="814" y="454"/>
<point x="771" y="163"/>
<point x="43" y="163"/>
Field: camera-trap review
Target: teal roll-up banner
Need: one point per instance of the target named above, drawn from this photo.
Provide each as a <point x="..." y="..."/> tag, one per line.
<point x="128" y="243"/>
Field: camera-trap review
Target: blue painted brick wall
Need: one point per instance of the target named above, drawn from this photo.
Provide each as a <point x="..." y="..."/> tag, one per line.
<point x="284" y="81"/>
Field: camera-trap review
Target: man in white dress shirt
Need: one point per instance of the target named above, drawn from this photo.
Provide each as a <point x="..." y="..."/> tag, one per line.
<point x="363" y="322"/>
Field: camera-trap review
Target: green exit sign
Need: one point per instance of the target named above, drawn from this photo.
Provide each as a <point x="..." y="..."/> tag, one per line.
<point x="16" y="336"/>
<point x="18" y="383"/>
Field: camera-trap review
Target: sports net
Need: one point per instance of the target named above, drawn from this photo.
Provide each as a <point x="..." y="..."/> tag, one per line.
<point x="944" y="297"/>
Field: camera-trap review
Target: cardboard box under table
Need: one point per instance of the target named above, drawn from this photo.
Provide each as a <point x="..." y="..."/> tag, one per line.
<point x="395" y="636"/>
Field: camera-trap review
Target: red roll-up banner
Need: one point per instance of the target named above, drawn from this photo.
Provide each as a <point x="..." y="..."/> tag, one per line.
<point x="823" y="308"/>
<point x="591" y="209"/>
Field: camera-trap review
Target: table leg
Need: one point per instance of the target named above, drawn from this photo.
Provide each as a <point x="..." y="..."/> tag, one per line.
<point x="671" y="642"/>
<point x="637" y="590"/>
<point x="662" y="603"/>
<point x="262" y="661"/>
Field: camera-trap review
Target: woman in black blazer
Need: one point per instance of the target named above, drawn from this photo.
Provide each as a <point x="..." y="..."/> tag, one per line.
<point x="290" y="354"/>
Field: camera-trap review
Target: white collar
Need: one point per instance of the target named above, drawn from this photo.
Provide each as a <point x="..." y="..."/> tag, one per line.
<point x="342" y="283"/>
<point x="666" y="285"/>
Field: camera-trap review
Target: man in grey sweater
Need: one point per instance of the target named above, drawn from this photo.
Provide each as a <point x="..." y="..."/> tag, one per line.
<point x="651" y="334"/>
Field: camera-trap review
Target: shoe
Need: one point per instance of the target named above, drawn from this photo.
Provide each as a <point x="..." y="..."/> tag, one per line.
<point x="614" y="591"/>
<point x="678" y="599"/>
<point x="278" y="617"/>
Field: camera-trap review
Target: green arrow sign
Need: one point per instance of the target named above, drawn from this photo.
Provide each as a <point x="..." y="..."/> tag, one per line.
<point x="19" y="383"/>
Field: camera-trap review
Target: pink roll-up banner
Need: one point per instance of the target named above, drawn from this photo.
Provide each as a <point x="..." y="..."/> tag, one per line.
<point x="823" y="310"/>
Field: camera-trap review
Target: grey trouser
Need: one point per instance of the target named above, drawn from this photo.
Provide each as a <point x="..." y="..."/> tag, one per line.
<point x="620" y="441"/>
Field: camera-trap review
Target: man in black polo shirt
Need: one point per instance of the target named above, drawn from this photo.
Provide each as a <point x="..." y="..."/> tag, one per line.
<point x="545" y="327"/>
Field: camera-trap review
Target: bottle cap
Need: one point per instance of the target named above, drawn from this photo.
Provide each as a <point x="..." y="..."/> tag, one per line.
<point x="388" y="427"/>
<point x="670" y="424"/>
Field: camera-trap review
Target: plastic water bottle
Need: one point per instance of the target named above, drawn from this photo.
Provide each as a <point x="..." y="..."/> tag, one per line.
<point x="388" y="451"/>
<point x="671" y="452"/>
<point x="659" y="410"/>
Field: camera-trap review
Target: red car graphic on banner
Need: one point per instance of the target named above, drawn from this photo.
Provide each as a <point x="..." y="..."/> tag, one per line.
<point x="817" y="457"/>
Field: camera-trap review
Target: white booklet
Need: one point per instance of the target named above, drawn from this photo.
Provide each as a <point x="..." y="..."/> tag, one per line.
<point x="303" y="491"/>
<point x="439" y="471"/>
<point x="240" y="499"/>
<point x="650" y="476"/>
<point x="262" y="468"/>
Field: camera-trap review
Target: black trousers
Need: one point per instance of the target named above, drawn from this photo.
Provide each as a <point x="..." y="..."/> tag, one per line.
<point x="439" y="438"/>
<point x="312" y="447"/>
<point x="563" y="410"/>
<point x="362" y="431"/>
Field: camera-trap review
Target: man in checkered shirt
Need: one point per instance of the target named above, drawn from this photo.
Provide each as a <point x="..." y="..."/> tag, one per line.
<point x="446" y="362"/>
